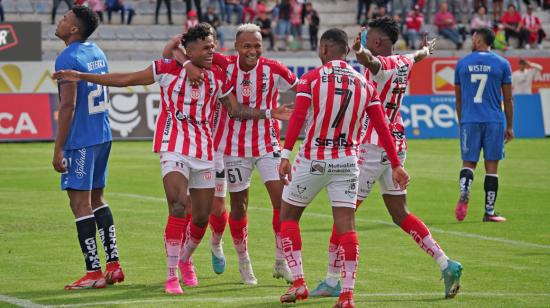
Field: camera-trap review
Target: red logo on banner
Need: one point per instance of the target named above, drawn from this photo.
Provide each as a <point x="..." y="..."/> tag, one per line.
<point x="8" y="38"/>
<point x="443" y="76"/>
<point x="25" y="116"/>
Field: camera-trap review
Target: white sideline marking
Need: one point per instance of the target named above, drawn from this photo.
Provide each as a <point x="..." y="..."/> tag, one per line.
<point x="19" y="302"/>
<point x="381" y="222"/>
<point x="244" y="299"/>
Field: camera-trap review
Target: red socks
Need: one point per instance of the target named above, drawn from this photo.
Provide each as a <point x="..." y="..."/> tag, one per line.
<point x="292" y="247"/>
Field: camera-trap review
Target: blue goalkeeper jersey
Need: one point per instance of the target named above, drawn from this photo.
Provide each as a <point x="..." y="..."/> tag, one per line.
<point x="480" y="76"/>
<point x="90" y="125"/>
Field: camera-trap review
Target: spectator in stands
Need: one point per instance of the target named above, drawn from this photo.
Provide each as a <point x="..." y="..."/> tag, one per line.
<point x="531" y="24"/>
<point x="313" y="21"/>
<point x="260" y="7"/>
<point x="362" y="4"/>
<point x="248" y="10"/>
<point x="480" y="20"/>
<point x="497" y="10"/>
<point x="413" y="24"/>
<point x="214" y="20"/>
<point x="189" y="7"/>
<point x="511" y="20"/>
<point x="380" y="12"/>
<point x="221" y="7"/>
<point x="192" y="20"/>
<point x="233" y="6"/>
<point x="1" y="12"/>
<point x="97" y="7"/>
<point x="168" y="8"/>
<point x="522" y="79"/>
<point x="446" y="25"/>
<point x="264" y="23"/>
<point x="296" y="23"/>
<point x="283" y="22"/>
<point x="54" y="8"/>
<point x="119" y="5"/>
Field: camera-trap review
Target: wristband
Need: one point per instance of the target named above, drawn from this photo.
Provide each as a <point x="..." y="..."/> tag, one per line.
<point x="186" y="62"/>
<point x="286" y="154"/>
<point x="268" y="113"/>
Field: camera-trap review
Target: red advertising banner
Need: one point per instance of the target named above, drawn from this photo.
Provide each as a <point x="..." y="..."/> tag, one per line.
<point x="434" y="76"/>
<point x="25" y="117"/>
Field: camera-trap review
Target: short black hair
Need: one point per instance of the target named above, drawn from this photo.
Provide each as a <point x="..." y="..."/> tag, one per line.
<point x="87" y="19"/>
<point x="388" y="26"/>
<point x="198" y="32"/>
<point x="487" y="35"/>
<point x="338" y="37"/>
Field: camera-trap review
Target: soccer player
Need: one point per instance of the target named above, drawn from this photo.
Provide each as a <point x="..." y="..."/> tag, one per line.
<point x="482" y="79"/>
<point x="390" y="74"/>
<point x="333" y="100"/>
<point x="183" y="136"/>
<point x="244" y="145"/>
<point x="82" y="147"/>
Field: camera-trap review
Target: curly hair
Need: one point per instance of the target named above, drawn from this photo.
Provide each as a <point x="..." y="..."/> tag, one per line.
<point x="388" y="26"/>
<point x="87" y="19"/>
<point x="338" y="37"/>
<point x="198" y="32"/>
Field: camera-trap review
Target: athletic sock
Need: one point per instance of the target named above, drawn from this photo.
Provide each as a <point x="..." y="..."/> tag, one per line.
<point x="466" y="179"/>
<point x="239" y="233"/>
<point x="276" y="224"/>
<point x="186" y="221"/>
<point x="335" y="258"/>
<point x="173" y="234"/>
<point x="421" y="235"/>
<point x="217" y="224"/>
<point x="85" y="228"/>
<point x="491" y="190"/>
<point x="292" y="247"/>
<point x="194" y="237"/>
<point x="107" y="232"/>
<point x="350" y="245"/>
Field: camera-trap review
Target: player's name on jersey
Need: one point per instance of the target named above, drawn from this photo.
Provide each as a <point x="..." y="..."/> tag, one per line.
<point x="94" y="65"/>
<point x="479" y="68"/>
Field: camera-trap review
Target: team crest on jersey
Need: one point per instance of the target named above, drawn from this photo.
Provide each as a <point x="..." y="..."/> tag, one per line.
<point x="195" y="93"/>
<point x="207" y="175"/>
<point x="246" y="90"/>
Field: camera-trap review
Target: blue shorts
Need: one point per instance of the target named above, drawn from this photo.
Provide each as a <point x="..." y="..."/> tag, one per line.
<point x="87" y="167"/>
<point x="486" y="136"/>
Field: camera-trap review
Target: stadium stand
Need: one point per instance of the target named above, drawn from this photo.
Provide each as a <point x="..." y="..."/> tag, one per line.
<point x="143" y="40"/>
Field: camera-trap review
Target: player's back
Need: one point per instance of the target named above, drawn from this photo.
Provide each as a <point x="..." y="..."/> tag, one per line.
<point x="339" y="98"/>
<point x="480" y="76"/>
<point x="90" y="124"/>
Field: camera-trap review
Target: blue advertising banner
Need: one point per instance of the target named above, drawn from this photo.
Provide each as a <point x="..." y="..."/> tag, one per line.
<point x="434" y="116"/>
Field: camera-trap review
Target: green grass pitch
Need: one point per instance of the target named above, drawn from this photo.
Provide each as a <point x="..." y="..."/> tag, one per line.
<point x="505" y="264"/>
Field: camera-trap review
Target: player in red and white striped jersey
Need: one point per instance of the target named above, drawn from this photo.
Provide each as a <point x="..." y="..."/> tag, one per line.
<point x="183" y="138"/>
<point x="390" y="73"/>
<point x="332" y="100"/>
<point x="256" y="83"/>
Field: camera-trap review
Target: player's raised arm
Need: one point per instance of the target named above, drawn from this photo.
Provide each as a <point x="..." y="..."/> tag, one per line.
<point x="67" y="102"/>
<point x="364" y="56"/>
<point x="242" y="112"/>
<point x="428" y="47"/>
<point x="139" y="78"/>
<point x="172" y="50"/>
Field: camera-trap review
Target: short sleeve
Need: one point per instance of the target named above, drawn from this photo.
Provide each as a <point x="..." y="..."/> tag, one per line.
<point x="304" y="87"/>
<point x="374" y="99"/>
<point x="506" y="73"/>
<point x="162" y="69"/>
<point x="226" y="86"/>
<point x="388" y="64"/>
<point x="457" y="74"/>
<point x="286" y="79"/>
<point x="64" y="62"/>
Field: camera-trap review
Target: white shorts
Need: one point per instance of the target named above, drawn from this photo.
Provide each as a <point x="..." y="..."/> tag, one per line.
<point x="339" y="176"/>
<point x="238" y="170"/>
<point x="199" y="173"/>
<point x="375" y="166"/>
<point x="221" y="184"/>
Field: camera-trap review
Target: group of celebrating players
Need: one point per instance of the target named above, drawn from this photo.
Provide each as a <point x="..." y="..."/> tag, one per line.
<point x="218" y="121"/>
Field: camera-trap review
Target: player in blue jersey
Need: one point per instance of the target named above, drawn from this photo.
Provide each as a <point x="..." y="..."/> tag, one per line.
<point x="82" y="147"/>
<point x="482" y="79"/>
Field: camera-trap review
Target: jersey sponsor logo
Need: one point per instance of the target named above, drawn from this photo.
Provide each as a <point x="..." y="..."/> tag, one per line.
<point x="341" y="169"/>
<point x="8" y="37"/>
<point x="341" y="141"/>
<point x="80" y="163"/>
<point x="185" y="117"/>
<point x="443" y="72"/>
<point x="195" y="93"/>
<point x="301" y="189"/>
<point x="318" y="167"/>
<point x="123" y="114"/>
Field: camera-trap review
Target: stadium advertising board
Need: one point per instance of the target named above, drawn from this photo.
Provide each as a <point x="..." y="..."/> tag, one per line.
<point x="20" y="41"/>
<point x="26" y="117"/>
<point x="442" y="70"/>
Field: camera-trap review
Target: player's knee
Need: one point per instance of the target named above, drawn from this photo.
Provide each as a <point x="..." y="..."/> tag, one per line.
<point x="200" y="220"/>
<point x="177" y="207"/>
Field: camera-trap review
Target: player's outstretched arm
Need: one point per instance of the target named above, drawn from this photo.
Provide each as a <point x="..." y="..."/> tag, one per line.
<point x="140" y="78"/>
<point x="427" y="49"/>
<point x="508" y="111"/>
<point x="67" y="101"/>
<point x="242" y="112"/>
<point x="364" y="56"/>
<point x="534" y="65"/>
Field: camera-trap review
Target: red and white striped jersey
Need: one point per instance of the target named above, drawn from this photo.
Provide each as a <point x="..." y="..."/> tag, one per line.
<point x="391" y="84"/>
<point x="257" y="88"/>
<point x="337" y="98"/>
<point x="184" y="124"/>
